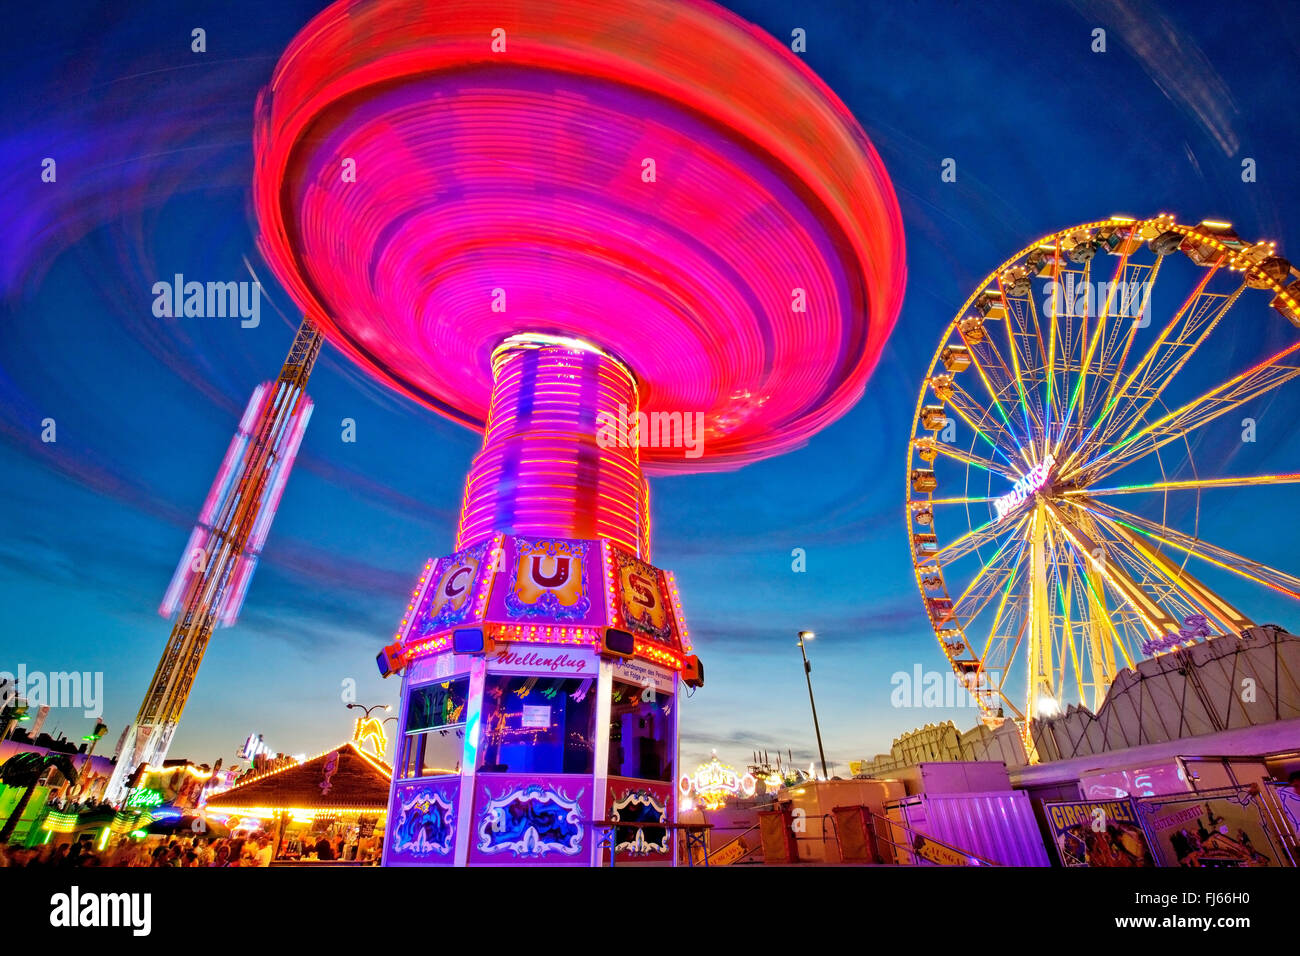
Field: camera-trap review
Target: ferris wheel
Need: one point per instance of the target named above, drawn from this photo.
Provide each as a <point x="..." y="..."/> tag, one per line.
<point x="1054" y="503"/>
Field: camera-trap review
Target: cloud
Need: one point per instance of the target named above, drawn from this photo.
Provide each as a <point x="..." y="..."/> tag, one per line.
<point x="1173" y="61"/>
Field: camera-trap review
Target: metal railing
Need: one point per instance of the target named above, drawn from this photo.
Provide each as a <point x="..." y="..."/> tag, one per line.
<point x="882" y="829"/>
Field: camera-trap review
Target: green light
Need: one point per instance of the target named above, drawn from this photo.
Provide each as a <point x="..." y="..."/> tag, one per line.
<point x="144" y="798"/>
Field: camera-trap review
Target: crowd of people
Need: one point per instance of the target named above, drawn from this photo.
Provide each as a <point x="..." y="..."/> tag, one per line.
<point x="197" y="850"/>
<point x="174" y="851"/>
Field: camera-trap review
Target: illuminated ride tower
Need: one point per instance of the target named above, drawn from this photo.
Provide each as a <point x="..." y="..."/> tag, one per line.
<point x="617" y="240"/>
<point x="208" y="588"/>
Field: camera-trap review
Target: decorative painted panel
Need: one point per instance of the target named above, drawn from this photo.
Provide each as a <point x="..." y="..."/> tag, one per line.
<point x="422" y="823"/>
<point x="642" y="599"/>
<point x="640" y="804"/>
<point x="457" y="593"/>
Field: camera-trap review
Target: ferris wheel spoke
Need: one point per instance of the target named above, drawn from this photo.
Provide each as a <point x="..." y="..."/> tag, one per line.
<point x="1189" y="484"/>
<point x="990" y="576"/>
<point x="1006" y="660"/>
<point x="966" y="457"/>
<point x="1017" y="374"/>
<point x="1069" y="363"/>
<point x="1146" y="286"/>
<point x="1047" y="401"/>
<point x="998" y="614"/>
<point x="1125" y="623"/>
<point x="1264" y="377"/>
<point x="1033" y="326"/>
<point x="1010" y="384"/>
<point x="979" y="419"/>
<point x="1098" y="632"/>
<point x="1191" y="590"/>
<point x="1103" y="657"/>
<point x="1077" y="394"/>
<point x="1194" y="321"/>
<point x="1131" y="286"/>
<point x="1256" y="571"/>
<point x="1095" y="551"/>
<point x="973" y="540"/>
<point x="1168" y="594"/>
<point x="1053" y="393"/>
<point x="1075" y="626"/>
<point x="1061" y="638"/>
<point x="1169" y="584"/>
<point x="1092" y="585"/>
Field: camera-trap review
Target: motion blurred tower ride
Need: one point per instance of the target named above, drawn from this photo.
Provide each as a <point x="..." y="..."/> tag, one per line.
<point x="631" y="240"/>
<point x="214" y="572"/>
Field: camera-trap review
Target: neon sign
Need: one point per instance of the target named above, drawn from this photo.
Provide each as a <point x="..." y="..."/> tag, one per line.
<point x="371" y="730"/>
<point x="1026" y="486"/>
<point x="253" y="746"/>
<point x="714" y="782"/>
<point x="144" y="798"/>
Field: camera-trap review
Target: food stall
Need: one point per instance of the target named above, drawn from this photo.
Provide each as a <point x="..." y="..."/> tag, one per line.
<point x="330" y="809"/>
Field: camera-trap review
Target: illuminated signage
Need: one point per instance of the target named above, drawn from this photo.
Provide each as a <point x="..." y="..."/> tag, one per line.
<point x="141" y="797"/>
<point x="253" y="746"/>
<point x="713" y="782"/>
<point x="450" y="598"/>
<point x="1023" y="488"/>
<point x="370" y="730"/>
<point x="640" y="592"/>
<point x="549" y="580"/>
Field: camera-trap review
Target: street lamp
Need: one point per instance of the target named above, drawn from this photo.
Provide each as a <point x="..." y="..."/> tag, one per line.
<point x="807" y="672"/>
<point x="386" y="707"/>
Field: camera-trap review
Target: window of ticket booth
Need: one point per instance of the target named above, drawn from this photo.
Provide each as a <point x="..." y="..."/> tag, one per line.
<point x="640" y="733"/>
<point x="434" y="737"/>
<point x="538" y="724"/>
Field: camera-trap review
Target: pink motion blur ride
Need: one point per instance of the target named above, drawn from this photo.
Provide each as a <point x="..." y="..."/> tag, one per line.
<point x="537" y="220"/>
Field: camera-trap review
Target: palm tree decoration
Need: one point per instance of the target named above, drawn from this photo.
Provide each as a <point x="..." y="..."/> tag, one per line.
<point x="24" y="770"/>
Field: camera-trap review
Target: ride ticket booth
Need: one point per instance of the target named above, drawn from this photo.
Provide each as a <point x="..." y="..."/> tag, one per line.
<point x="540" y="687"/>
